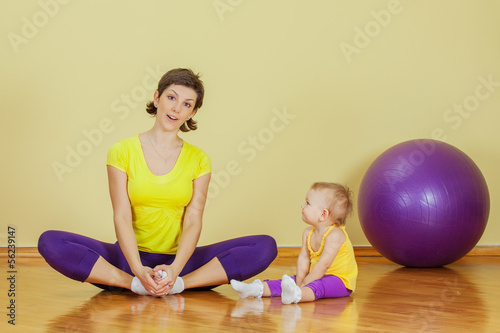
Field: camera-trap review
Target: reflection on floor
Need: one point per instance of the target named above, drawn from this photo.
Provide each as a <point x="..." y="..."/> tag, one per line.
<point x="461" y="297"/>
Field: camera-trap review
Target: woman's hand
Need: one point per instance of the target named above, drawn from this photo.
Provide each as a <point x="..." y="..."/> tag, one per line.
<point x="148" y="278"/>
<point x="168" y="281"/>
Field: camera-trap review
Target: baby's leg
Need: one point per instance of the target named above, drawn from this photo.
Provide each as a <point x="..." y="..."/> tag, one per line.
<point x="307" y="295"/>
<point x="255" y="289"/>
<point x="291" y="293"/>
<point x="276" y="288"/>
<point x="245" y="290"/>
<point x="329" y="286"/>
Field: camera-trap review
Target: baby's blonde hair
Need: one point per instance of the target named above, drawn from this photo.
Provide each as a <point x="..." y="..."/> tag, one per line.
<point x="340" y="200"/>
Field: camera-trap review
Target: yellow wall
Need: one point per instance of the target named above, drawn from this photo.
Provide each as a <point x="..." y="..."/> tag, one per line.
<point x="297" y="91"/>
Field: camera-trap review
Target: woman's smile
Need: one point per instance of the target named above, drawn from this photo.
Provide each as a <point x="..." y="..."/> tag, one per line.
<point x="172" y="118"/>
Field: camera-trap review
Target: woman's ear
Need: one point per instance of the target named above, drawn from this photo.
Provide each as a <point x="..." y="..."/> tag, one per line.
<point x="193" y="113"/>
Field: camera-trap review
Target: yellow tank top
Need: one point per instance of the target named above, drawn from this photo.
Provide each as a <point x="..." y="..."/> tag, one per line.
<point x="344" y="265"/>
<point x="158" y="202"/>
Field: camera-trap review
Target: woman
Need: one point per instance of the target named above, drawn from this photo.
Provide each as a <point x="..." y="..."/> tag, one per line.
<point x="158" y="186"/>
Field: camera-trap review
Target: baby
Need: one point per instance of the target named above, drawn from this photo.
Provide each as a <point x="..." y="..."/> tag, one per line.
<point x="326" y="266"/>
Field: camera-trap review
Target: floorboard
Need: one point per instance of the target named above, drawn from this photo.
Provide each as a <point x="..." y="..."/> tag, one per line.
<point x="462" y="297"/>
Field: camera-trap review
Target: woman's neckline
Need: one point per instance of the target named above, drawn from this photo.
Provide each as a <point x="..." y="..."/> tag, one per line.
<point x="171" y="171"/>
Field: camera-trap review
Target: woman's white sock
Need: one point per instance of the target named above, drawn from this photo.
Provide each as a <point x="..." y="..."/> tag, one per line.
<point x="178" y="286"/>
<point x="244" y="290"/>
<point x="290" y="292"/>
<point x="138" y="288"/>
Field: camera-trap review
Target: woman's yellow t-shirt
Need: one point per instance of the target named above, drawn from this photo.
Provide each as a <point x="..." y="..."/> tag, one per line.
<point x="158" y="202"/>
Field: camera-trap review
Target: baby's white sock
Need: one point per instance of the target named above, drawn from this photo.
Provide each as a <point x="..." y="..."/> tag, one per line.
<point x="138" y="288"/>
<point x="244" y="290"/>
<point x="290" y="292"/>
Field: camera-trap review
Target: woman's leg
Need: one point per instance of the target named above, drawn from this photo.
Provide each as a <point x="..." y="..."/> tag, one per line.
<point x="105" y="275"/>
<point x="209" y="275"/>
<point x="103" y="264"/>
<point x="239" y="259"/>
<point x="85" y="259"/>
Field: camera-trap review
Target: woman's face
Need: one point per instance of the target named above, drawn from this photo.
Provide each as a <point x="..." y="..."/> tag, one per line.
<point x="175" y="106"/>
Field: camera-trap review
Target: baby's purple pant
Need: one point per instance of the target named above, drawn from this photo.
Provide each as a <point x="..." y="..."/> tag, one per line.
<point x="329" y="286"/>
<point x="74" y="255"/>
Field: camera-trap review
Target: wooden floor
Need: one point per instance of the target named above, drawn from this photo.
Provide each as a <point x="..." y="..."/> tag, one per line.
<point x="463" y="297"/>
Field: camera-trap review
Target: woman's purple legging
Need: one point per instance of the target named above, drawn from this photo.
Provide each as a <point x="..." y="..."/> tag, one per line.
<point x="74" y="255"/>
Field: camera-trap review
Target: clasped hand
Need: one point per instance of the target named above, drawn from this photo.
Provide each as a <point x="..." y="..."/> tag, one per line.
<point x="153" y="281"/>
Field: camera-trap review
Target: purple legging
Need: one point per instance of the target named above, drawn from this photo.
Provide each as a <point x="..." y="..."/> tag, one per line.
<point x="74" y="255"/>
<point x="329" y="286"/>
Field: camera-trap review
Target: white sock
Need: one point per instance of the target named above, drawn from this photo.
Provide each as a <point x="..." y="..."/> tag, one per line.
<point x="244" y="290"/>
<point x="163" y="274"/>
<point x="178" y="286"/>
<point x="138" y="288"/>
<point x="290" y="292"/>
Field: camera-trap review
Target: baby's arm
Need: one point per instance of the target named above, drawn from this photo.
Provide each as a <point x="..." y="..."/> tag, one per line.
<point x="303" y="260"/>
<point x="333" y="241"/>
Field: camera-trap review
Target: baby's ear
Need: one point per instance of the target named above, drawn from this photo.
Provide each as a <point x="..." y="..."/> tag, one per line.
<point x="325" y="214"/>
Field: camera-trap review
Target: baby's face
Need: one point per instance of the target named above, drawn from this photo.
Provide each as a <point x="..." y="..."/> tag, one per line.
<point x="312" y="208"/>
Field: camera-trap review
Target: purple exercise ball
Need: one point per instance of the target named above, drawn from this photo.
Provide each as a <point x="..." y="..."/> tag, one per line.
<point x="423" y="203"/>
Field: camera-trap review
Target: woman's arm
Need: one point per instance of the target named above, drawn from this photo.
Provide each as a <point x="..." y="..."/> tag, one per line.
<point x="303" y="261"/>
<point x="191" y="229"/>
<point x="122" y="217"/>
<point x="333" y="242"/>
